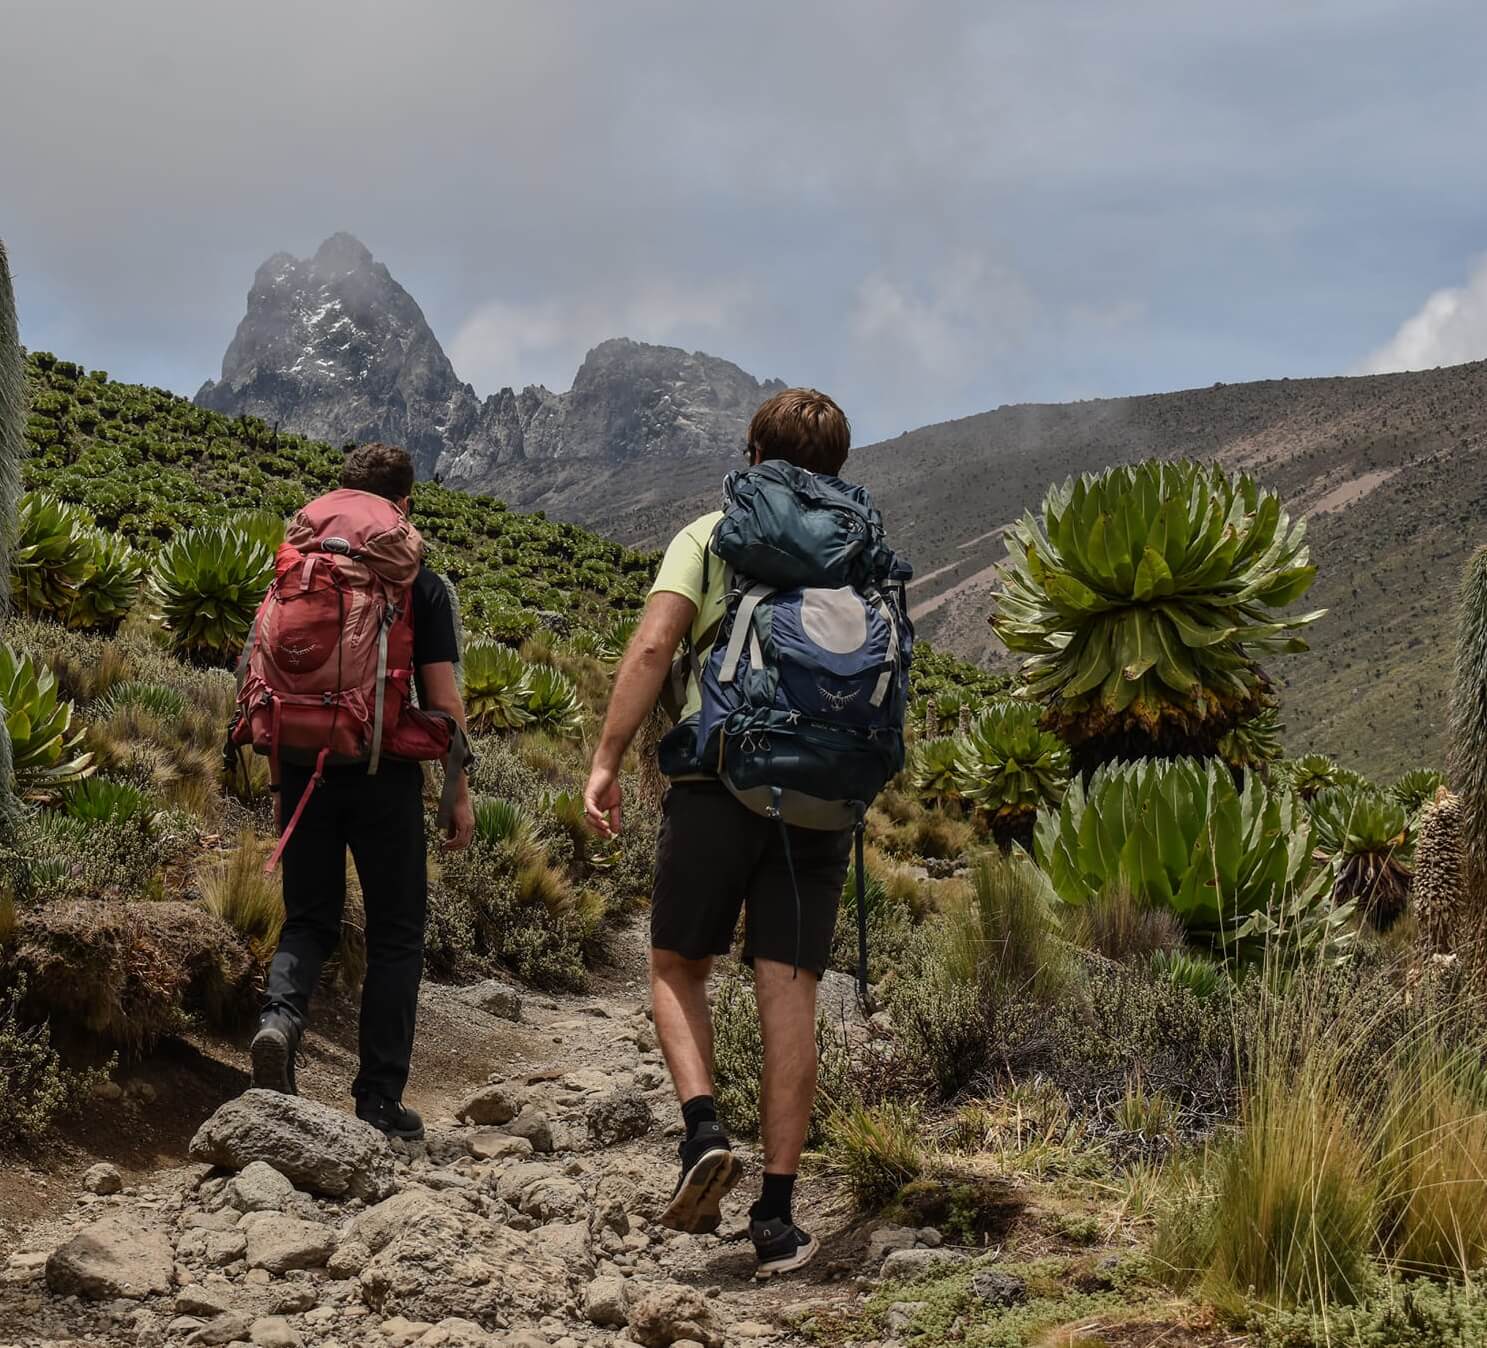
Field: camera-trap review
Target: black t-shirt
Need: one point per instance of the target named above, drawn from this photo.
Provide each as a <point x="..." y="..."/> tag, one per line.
<point x="435" y="640"/>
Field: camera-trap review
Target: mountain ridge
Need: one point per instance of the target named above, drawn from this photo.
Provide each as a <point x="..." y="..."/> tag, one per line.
<point x="333" y="347"/>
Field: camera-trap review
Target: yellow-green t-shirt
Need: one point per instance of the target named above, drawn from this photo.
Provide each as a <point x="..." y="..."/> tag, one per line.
<point x="681" y="573"/>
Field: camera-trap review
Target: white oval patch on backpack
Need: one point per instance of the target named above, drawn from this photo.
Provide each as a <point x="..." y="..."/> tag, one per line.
<point x="836" y="620"/>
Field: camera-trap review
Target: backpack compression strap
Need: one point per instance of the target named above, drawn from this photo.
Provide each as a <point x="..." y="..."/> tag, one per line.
<point x="743" y="630"/>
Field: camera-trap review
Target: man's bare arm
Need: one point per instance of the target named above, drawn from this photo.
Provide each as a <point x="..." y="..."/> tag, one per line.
<point x="442" y="693"/>
<point x="642" y="674"/>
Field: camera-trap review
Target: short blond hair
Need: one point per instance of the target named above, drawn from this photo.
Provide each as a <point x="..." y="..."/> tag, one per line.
<point x="804" y="427"/>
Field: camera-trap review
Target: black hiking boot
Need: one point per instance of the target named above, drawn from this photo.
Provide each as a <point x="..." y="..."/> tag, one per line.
<point x="709" y="1171"/>
<point x="273" y="1050"/>
<point x="390" y="1117"/>
<point x="781" y="1246"/>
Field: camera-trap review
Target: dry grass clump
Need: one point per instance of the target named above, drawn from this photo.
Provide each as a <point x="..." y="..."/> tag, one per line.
<point x="129" y="973"/>
<point x="235" y="889"/>
<point x="1117" y="925"/>
<point x="875" y="1150"/>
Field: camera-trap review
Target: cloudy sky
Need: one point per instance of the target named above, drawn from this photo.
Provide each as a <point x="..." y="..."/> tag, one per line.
<point x="928" y="208"/>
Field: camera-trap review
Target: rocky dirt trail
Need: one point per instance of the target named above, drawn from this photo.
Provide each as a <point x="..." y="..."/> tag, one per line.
<point x="527" y="1217"/>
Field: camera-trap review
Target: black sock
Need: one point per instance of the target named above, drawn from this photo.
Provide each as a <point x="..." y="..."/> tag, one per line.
<point x="775" y="1200"/>
<point x="698" y="1110"/>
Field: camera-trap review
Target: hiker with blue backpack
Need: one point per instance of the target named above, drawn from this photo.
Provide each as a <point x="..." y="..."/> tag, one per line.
<point x="777" y="635"/>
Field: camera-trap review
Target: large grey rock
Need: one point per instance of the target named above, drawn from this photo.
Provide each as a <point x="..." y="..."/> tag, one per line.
<point x="116" y="1257"/>
<point x="919" y="1263"/>
<point x="621" y="1116"/>
<point x="103" y="1178"/>
<point x="493" y="997"/>
<point x="664" y="1313"/>
<point x="201" y="1245"/>
<point x="313" y="1146"/>
<point x="278" y="1243"/>
<point x="198" y="1299"/>
<point x="377" y="1226"/>
<point x="542" y="1193"/>
<point x="234" y="1327"/>
<point x="456" y="1332"/>
<point x="996" y="1287"/>
<point x="533" y="1125"/>
<point x="490" y="1104"/>
<point x="604" y="1303"/>
<point x="274" y="1331"/>
<point x="260" y="1188"/>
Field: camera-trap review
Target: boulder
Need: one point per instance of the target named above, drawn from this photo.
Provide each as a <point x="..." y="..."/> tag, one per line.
<point x="621" y="1116"/>
<point x="103" y="1179"/>
<point x="278" y="1243"/>
<point x="542" y="1193"/>
<point x="260" y="1188"/>
<point x="490" y="1104"/>
<point x="203" y="1301"/>
<point x="350" y="1258"/>
<point x="604" y="1303"/>
<point x="200" y="1245"/>
<point x="234" y="1327"/>
<point x="919" y="1263"/>
<point x="883" y="1239"/>
<point x="399" y="1331"/>
<point x="489" y="1145"/>
<point x="494" y="998"/>
<point x="375" y="1227"/>
<point x="274" y="1331"/>
<point x="664" y="1313"/>
<point x="113" y="1258"/>
<point x="995" y="1287"/>
<point x="310" y="1144"/>
<point x="533" y="1125"/>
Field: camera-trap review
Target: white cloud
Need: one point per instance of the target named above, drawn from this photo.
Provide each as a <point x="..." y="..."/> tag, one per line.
<point x="504" y="343"/>
<point x="943" y="330"/>
<point x="1449" y="329"/>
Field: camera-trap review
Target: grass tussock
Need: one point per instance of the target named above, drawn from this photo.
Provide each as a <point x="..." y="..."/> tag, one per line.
<point x="235" y="889"/>
<point x="875" y="1150"/>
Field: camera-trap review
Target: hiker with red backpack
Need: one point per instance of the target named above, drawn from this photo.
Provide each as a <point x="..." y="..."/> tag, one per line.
<point x="347" y="686"/>
<point x="788" y="610"/>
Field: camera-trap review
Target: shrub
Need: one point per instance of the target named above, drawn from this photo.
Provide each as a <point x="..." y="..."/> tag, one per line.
<point x="206" y="585"/>
<point x="1415" y="1314"/>
<point x="1255" y="741"/>
<point x="52" y="556"/>
<point x="1308" y="774"/>
<point x="132" y="972"/>
<point x="98" y="800"/>
<point x="39" y="723"/>
<point x="111" y="586"/>
<point x="1365" y="837"/>
<point x="1011" y="768"/>
<point x="36" y="1087"/>
<point x="1117" y="925"/>
<point x="497" y="687"/>
<point x="1416" y="789"/>
<point x="155" y="698"/>
<point x="553" y="702"/>
<point x="875" y="1150"/>
<point x="1181" y="836"/>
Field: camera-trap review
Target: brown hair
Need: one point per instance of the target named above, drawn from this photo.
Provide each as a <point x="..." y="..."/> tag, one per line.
<point x="804" y="427"/>
<point x="386" y="470"/>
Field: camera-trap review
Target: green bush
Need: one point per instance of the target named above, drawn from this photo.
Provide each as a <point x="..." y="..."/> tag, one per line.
<point x="875" y="1150"/>
<point x="553" y="702"/>
<point x="206" y="585"/>
<point x="36" y="1087"/>
<point x="498" y="688"/>
<point x="1011" y="768"/>
<point x="39" y="724"/>
<point x="98" y="800"/>
<point x="1365" y="836"/>
<point x="52" y="557"/>
<point x="1403" y="1315"/>
<point x="111" y="587"/>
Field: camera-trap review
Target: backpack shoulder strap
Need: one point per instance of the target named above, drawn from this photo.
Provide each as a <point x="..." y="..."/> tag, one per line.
<point x="743" y="626"/>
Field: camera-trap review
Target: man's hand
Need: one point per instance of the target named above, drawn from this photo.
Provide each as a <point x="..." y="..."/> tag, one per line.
<point x="461" y="824"/>
<point x="601" y="801"/>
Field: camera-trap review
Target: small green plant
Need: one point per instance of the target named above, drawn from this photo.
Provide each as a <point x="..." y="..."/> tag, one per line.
<point x="874" y="1149"/>
<point x="499" y="822"/>
<point x="1416" y="789"/>
<point x="1308" y="774"/>
<point x="36" y="1087"/>
<point x="1254" y="741"/>
<point x="155" y="698"/>
<point x="1011" y="768"/>
<point x="99" y="800"/>
<point x="206" y="584"/>
<point x="1184" y="969"/>
<point x="39" y="722"/>
<point x="614" y="639"/>
<point x="498" y="687"/>
<point x="553" y="702"/>
<point x="1365" y="836"/>
<point x="935" y="769"/>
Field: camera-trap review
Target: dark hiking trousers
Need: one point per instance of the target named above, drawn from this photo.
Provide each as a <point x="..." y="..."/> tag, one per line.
<point x="381" y="820"/>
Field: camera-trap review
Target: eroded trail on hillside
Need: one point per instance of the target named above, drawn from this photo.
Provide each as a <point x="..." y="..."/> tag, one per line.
<point x="526" y="1217"/>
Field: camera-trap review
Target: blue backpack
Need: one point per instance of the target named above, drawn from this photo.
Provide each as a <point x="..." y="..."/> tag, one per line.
<point x="804" y="692"/>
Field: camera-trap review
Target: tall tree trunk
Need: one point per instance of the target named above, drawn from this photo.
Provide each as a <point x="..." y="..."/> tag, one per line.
<point x="1467" y="754"/>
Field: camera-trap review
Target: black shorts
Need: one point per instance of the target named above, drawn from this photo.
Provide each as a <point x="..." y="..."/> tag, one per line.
<point x="716" y="856"/>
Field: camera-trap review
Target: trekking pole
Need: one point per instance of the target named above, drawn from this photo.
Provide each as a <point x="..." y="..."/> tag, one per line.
<point x="858" y="836"/>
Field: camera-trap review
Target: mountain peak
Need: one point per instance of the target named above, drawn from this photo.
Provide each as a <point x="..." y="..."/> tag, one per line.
<point x="333" y="347"/>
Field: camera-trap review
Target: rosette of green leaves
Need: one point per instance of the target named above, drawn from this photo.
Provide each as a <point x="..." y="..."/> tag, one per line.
<point x="1254" y="741"/>
<point x="497" y="687"/>
<point x="1143" y="596"/>
<point x="934" y="769"/>
<point x="553" y="703"/>
<point x="53" y="554"/>
<point x="1416" y="789"/>
<point x="39" y="723"/>
<point x="1365" y="838"/>
<point x="108" y="593"/>
<point x="1179" y="835"/>
<point x="1308" y="774"/>
<point x="206" y="584"/>
<point x="1009" y="765"/>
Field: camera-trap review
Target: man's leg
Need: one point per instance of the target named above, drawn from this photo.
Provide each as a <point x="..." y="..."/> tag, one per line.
<point x="387" y="843"/>
<point x="314" y="876"/>
<point x="787" y="1021"/>
<point x="684" y="1024"/>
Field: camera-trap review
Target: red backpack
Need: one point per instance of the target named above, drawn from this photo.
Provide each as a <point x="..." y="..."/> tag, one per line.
<point x="327" y="675"/>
